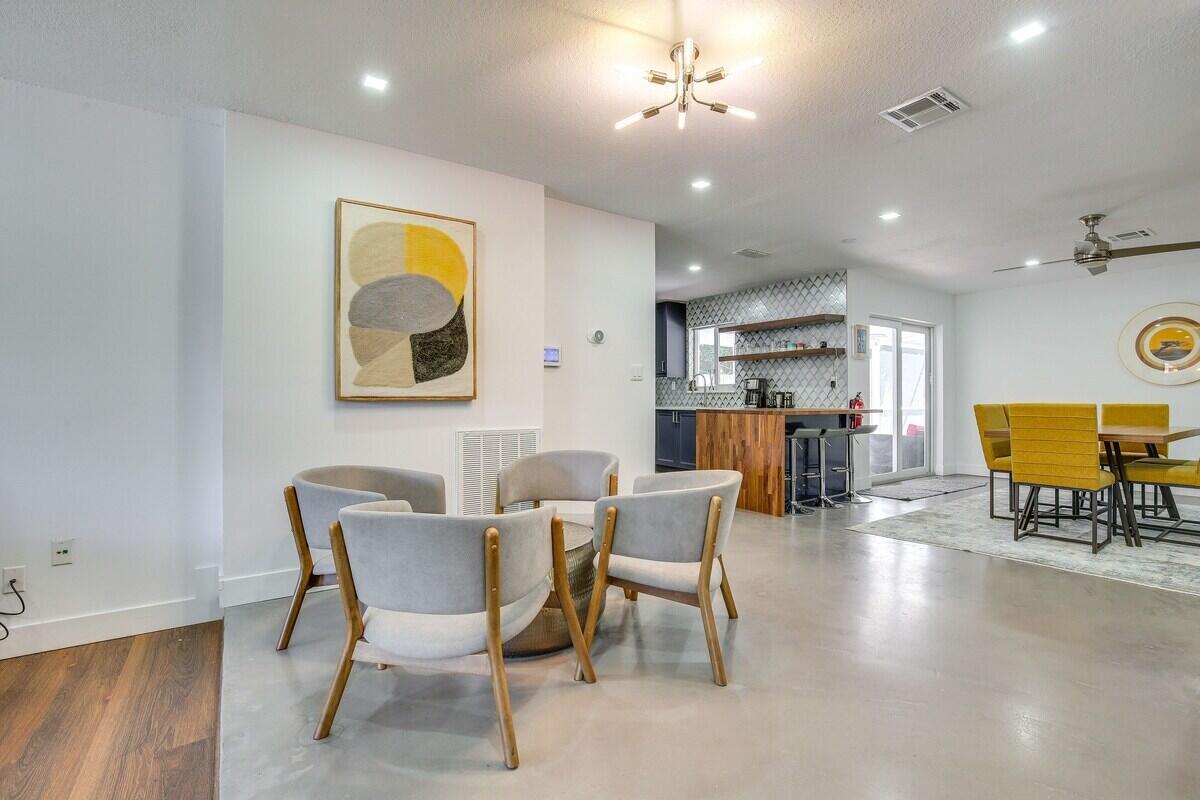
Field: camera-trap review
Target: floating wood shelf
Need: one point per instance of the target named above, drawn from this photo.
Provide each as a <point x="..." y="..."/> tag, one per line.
<point x="790" y="322"/>
<point x="812" y="351"/>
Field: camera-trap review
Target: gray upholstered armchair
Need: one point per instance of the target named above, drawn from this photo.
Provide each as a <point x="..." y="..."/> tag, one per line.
<point x="557" y="475"/>
<point x="439" y="587"/>
<point x="667" y="539"/>
<point x="313" y="500"/>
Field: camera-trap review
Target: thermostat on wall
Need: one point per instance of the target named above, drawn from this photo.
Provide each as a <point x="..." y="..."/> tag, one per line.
<point x="551" y="357"/>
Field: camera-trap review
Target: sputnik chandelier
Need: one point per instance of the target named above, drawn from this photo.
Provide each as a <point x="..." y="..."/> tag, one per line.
<point x="684" y="55"/>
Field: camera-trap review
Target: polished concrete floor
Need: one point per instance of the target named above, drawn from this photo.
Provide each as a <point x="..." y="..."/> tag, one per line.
<point x="861" y="667"/>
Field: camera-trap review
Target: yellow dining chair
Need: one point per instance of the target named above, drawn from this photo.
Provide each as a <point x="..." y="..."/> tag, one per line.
<point x="1165" y="473"/>
<point x="1158" y="414"/>
<point x="993" y="416"/>
<point x="1057" y="446"/>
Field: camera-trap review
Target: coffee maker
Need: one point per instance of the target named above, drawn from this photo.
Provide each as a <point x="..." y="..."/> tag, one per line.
<point x="756" y="392"/>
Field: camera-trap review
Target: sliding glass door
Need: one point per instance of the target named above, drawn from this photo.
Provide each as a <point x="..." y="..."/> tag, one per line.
<point x="901" y="360"/>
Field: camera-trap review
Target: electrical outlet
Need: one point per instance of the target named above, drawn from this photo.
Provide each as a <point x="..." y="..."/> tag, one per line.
<point x="14" y="572"/>
<point x="62" y="551"/>
<point x="635" y="372"/>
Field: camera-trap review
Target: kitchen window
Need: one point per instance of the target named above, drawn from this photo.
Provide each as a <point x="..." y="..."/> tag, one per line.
<point x="705" y="344"/>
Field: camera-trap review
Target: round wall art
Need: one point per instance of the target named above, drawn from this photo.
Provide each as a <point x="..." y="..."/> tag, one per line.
<point x="1162" y="344"/>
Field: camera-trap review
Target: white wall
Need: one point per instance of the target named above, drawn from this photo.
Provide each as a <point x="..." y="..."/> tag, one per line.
<point x="1057" y="342"/>
<point x="280" y="412"/>
<point x="867" y="294"/>
<point x="110" y="413"/>
<point x="600" y="274"/>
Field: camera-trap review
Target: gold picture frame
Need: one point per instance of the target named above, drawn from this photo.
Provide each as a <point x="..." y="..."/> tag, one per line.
<point x="407" y="331"/>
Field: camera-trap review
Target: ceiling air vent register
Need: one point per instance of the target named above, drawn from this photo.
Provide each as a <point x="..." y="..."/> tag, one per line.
<point x="750" y="252"/>
<point x="924" y="110"/>
<point x="1127" y="236"/>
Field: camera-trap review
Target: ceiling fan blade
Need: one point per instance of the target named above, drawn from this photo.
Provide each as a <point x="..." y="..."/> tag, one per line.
<point x="1151" y="249"/>
<point x="1034" y="266"/>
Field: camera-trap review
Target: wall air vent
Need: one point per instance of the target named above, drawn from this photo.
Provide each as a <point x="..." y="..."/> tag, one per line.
<point x="1128" y="236"/>
<point x="478" y="457"/>
<point x="750" y="252"/>
<point x="924" y="110"/>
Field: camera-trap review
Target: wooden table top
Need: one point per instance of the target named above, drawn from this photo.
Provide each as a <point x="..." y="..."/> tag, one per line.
<point x="793" y="412"/>
<point x="1142" y="434"/>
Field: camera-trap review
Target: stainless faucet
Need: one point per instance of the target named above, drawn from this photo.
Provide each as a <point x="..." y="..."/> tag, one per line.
<point x="692" y="386"/>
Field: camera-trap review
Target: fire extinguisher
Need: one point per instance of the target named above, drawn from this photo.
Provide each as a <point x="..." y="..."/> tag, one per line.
<point x="857" y="402"/>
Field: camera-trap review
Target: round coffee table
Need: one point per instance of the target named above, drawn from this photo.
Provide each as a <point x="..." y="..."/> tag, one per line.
<point x="548" y="632"/>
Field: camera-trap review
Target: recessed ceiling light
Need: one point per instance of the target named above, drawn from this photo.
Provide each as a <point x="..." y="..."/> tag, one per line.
<point x="375" y="82"/>
<point x="694" y="268"/>
<point x="700" y="184"/>
<point x="1028" y="31"/>
<point x="1033" y="262"/>
<point x="888" y="216"/>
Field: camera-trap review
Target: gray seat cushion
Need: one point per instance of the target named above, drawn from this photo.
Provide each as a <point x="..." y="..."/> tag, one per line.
<point x="675" y="576"/>
<point x="322" y="561"/>
<point x="433" y="636"/>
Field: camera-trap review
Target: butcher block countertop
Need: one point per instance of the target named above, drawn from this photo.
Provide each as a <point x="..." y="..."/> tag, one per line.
<point x="792" y="412"/>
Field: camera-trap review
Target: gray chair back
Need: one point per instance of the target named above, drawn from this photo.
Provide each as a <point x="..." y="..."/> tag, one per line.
<point x="323" y="491"/>
<point x="433" y="563"/>
<point x="557" y="475"/>
<point x="666" y="517"/>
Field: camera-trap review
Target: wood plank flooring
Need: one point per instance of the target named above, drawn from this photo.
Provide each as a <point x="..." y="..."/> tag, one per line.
<point x="128" y="718"/>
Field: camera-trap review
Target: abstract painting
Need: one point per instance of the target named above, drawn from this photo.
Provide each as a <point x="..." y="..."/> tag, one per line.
<point x="1162" y="344"/>
<point x="405" y="304"/>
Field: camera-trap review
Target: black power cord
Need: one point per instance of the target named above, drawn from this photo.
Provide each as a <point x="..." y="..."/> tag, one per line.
<point x="12" y="584"/>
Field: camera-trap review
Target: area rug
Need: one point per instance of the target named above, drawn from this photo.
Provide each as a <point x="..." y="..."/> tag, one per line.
<point x="920" y="488"/>
<point x="963" y="524"/>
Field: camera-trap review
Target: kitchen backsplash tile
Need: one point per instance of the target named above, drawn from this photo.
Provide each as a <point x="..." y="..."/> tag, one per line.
<point x="807" y="378"/>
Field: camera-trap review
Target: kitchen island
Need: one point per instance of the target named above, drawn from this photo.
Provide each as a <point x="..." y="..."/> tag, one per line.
<point x="752" y="441"/>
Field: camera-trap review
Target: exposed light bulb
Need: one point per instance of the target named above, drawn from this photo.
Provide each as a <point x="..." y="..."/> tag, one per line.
<point x="682" y="120"/>
<point x="701" y="183"/>
<point x="888" y="216"/>
<point x="1033" y="262"/>
<point x="625" y="123"/>
<point x="742" y="112"/>
<point x="742" y="66"/>
<point x="694" y="268"/>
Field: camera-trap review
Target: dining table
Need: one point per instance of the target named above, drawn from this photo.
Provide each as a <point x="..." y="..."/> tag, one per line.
<point x="1112" y="437"/>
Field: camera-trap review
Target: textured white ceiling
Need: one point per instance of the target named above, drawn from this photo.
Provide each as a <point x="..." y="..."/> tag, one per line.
<point x="1102" y="113"/>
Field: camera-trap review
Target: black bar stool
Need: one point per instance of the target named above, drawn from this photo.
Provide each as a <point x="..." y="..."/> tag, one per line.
<point x="851" y="495"/>
<point x="822" y="436"/>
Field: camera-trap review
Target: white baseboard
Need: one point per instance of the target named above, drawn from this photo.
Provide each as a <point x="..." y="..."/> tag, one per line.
<point x="243" y="589"/>
<point x="116" y="623"/>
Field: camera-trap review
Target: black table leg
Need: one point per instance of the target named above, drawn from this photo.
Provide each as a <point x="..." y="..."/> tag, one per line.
<point x="1118" y="494"/>
<point x="1127" y="492"/>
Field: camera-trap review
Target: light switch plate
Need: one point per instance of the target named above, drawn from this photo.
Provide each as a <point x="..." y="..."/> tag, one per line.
<point x="635" y="372"/>
<point x="62" y="551"/>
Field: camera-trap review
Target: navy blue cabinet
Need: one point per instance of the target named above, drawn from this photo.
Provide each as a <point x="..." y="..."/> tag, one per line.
<point x="675" y="439"/>
<point x="670" y="340"/>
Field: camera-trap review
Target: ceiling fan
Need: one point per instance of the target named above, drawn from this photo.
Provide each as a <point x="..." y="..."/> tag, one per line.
<point x="1095" y="253"/>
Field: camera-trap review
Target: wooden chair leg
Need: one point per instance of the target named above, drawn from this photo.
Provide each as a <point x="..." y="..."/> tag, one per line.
<point x="495" y="649"/>
<point x="563" y="588"/>
<point x="599" y="586"/>
<point x="631" y="595"/>
<point x="710" y="634"/>
<point x="704" y="591"/>
<point x="289" y="623"/>
<point x="726" y="590"/>
<point x="354" y="630"/>
<point x="335" y="690"/>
